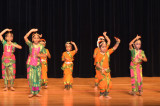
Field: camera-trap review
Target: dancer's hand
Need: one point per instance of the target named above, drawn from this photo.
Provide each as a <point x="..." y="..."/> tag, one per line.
<point x="34" y="30"/>
<point x="103" y="70"/>
<point x="75" y="46"/>
<point x="7" y="29"/>
<point x="35" y="54"/>
<point x="140" y="57"/>
<point x="138" y="37"/>
<point x="66" y="59"/>
<point x="40" y="35"/>
<point x="72" y="43"/>
<point x="117" y="39"/>
<point x="104" y="33"/>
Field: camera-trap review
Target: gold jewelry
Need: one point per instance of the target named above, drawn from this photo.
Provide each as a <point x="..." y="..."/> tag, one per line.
<point x="8" y="48"/>
<point x="117" y="42"/>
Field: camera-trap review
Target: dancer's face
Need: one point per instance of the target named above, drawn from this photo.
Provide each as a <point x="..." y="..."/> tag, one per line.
<point x="103" y="48"/>
<point x="68" y="47"/>
<point x="36" y="39"/>
<point x="138" y="44"/>
<point x="9" y="37"/>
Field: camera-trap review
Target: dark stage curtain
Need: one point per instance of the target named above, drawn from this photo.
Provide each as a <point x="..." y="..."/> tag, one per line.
<point x="82" y="21"/>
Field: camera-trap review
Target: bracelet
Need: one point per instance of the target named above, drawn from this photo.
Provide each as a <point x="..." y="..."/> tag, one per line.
<point x="117" y="42"/>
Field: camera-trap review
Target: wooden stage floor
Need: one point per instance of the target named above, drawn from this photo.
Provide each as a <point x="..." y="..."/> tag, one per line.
<point x="83" y="93"/>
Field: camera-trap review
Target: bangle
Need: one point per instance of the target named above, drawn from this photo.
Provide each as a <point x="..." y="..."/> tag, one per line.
<point x="117" y="42"/>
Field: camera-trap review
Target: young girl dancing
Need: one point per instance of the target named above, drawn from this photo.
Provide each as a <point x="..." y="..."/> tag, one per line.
<point x="97" y="50"/>
<point x="67" y="66"/>
<point x="44" y="65"/>
<point x="36" y="50"/>
<point x="8" y="58"/>
<point x="137" y="56"/>
<point x="103" y="69"/>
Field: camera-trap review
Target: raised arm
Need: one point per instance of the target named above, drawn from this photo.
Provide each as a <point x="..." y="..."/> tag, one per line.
<point x="75" y="46"/>
<point x="131" y="43"/>
<point x="27" y="35"/>
<point x="117" y="43"/>
<point x="107" y="38"/>
<point x="4" y="31"/>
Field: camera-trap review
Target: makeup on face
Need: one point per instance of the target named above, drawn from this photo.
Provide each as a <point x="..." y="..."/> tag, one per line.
<point x="68" y="47"/>
<point x="138" y="44"/>
<point x="36" y="39"/>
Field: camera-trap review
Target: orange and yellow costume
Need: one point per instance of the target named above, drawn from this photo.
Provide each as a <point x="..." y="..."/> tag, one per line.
<point x="67" y="68"/>
<point x="44" y="69"/>
<point x="104" y="79"/>
<point x="96" y="51"/>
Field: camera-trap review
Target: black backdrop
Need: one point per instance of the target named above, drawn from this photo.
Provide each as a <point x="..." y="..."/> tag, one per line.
<point x="83" y="21"/>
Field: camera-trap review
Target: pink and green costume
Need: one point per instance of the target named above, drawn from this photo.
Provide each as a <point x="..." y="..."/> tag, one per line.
<point x="8" y="63"/>
<point x="136" y="70"/>
<point x="34" y="67"/>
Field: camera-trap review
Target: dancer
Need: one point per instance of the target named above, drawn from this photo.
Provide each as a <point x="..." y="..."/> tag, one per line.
<point x="103" y="69"/>
<point x="137" y="56"/>
<point x="67" y="66"/>
<point x="8" y="58"/>
<point x="36" y="51"/>
<point x="44" y="65"/>
<point x="97" y="50"/>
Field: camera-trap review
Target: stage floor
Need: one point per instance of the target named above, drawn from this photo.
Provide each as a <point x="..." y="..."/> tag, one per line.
<point x="83" y="93"/>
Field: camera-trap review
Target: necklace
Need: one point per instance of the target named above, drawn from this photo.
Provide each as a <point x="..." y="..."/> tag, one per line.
<point x="9" y="48"/>
<point x="102" y="53"/>
<point x="35" y="50"/>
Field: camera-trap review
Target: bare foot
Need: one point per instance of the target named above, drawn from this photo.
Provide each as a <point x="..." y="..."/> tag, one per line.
<point x="132" y="93"/>
<point x="38" y="95"/>
<point x="108" y="97"/>
<point x="5" y="89"/>
<point x="31" y="95"/>
<point x="65" y="89"/>
<point x="140" y="93"/>
<point x="95" y="88"/>
<point x="46" y="87"/>
<point x="101" y="97"/>
<point x="12" y="89"/>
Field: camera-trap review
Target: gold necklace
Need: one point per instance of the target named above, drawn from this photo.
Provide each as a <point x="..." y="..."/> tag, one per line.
<point x="35" y="50"/>
<point x="8" y="48"/>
